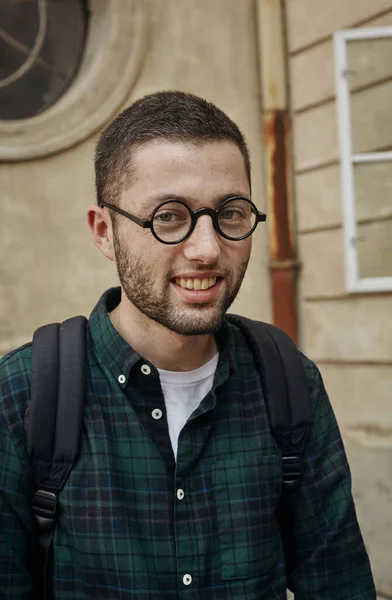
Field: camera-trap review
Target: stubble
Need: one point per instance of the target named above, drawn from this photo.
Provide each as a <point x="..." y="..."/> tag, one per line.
<point x="139" y="281"/>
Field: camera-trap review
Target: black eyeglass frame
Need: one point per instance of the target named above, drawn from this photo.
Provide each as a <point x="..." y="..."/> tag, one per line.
<point x="195" y="215"/>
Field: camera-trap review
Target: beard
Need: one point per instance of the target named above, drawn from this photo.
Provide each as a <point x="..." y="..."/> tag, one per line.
<point x="138" y="281"/>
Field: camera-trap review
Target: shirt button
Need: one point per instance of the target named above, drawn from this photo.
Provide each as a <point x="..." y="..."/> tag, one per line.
<point x="146" y="370"/>
<point x="180" y="494"/>
<point x="156" y="414"/>
<point x="187" y="579"/>
<point x="121" y="379"/>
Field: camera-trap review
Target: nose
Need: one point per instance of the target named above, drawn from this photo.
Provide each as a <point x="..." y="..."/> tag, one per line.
<point x="204" y="243"/>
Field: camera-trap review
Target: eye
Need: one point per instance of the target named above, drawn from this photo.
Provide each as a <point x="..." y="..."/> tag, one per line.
<point x="165" y="217"/>
<point x="231" y="214"/>
<point x="170" y="216"/>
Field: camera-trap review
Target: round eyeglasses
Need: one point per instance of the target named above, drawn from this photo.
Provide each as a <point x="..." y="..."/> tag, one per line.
<point x="173" y="221"/>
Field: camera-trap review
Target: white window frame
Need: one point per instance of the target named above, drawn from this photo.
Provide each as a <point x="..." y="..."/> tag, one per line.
<point x="348" y="159"/>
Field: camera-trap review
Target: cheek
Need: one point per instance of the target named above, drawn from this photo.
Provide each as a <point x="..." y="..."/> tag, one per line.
<point x="157" y="259"/>
<point x="247" y="246"/>
<point x="160" y="260"/>
<point x="136" y="244"/>
<point x="240" y="253"/>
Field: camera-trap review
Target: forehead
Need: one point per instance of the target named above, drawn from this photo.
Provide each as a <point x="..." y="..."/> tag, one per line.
<point x="192" y="171"/>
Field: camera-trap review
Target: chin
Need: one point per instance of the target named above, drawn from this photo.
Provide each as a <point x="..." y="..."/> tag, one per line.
<point x="194" y="323"/>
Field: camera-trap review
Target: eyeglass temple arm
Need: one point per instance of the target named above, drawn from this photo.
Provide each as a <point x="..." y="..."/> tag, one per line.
<point x="142" y="222"/>
<point x="261" y="216"/>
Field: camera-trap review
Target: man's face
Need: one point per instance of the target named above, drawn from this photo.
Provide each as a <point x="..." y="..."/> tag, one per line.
<point x="186" y="287"/>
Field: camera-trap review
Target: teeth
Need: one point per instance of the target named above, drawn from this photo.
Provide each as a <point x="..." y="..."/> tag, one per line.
<point x="196" y="284"/>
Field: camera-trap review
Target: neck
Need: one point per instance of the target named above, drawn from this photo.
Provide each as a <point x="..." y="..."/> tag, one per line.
<point x="162" y="347"/>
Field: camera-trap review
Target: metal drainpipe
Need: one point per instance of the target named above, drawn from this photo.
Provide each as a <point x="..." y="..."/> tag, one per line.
<point x="278" y="166"/>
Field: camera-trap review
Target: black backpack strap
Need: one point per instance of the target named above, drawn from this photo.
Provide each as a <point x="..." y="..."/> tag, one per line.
<point x="287" y="400"/>
<point x="54" y="425"/>
<point x="286" y="392"/>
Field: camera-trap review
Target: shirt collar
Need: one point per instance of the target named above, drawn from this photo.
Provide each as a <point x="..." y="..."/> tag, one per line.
<point x="113" y="351"/>
<point x="119" y="357"/>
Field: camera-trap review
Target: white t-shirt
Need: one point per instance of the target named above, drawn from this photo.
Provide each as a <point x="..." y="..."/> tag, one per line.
<point x="183" y="391"/>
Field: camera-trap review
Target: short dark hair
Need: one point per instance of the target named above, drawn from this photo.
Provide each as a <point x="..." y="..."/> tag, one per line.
<point x="170" y="115"/>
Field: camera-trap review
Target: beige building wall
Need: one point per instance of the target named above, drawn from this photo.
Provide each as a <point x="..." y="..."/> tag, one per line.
<point x="349" y="336"/>
<point x="50" y="269"/>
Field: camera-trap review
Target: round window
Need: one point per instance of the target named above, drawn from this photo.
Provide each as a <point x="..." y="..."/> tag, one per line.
<point x="66" y="67"/>
<point x="41" y="47"/>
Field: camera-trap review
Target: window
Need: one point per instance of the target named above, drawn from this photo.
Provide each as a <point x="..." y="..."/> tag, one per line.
<point x="88" y="74"/>
<point x="41" y="46"/>
<point x="364" y="91"/>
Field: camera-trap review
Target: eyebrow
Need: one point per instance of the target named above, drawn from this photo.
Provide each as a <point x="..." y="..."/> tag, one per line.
<point x="153" y="202"/>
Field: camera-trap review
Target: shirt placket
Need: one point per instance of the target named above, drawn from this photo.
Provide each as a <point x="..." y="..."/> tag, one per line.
<point x="187" y="485"/>
<point x="186" y="576"/>
<point x="150" y="408"/>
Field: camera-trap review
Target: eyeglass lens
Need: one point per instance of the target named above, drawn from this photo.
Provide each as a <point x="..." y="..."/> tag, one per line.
<point x="173" y="220"/>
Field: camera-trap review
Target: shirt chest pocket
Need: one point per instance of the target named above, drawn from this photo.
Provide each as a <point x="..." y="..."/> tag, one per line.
<point x="246" y="495"/>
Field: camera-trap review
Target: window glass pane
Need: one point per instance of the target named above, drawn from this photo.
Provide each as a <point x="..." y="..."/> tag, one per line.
<point x="370" y="81"/>
<point x="373" y="190"/>
<point x="58" y="60"/>
<point x="374" y="247"/>
<point x="369" y="61"/>
<point x="373" y="205"/>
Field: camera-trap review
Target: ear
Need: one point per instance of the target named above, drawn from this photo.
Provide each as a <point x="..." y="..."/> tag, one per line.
<point x="101" y="228"/>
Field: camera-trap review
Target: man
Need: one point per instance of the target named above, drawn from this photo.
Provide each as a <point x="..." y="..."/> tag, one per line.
<point x="175" y="490"/>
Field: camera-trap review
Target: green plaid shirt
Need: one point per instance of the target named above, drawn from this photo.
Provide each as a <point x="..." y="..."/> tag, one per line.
<point x="126" y="531"/>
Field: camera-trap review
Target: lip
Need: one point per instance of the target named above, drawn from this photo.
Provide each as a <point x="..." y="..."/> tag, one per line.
<point x="199" y="296"/>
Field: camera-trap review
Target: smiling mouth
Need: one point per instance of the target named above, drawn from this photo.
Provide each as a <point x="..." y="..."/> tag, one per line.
<point x="196" y="283"/>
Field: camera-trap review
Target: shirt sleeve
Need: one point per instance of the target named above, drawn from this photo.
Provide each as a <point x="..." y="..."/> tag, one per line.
<point x="15" y="517"/>
<point x="331" y="562"/>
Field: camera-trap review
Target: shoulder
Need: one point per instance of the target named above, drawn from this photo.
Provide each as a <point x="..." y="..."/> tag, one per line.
<point x="15" y="374"/>
<point x="264" y="339"/>
<point x="315" y="381"/>
<point x="312" y="372"/>
<point x="15" y="370"/>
